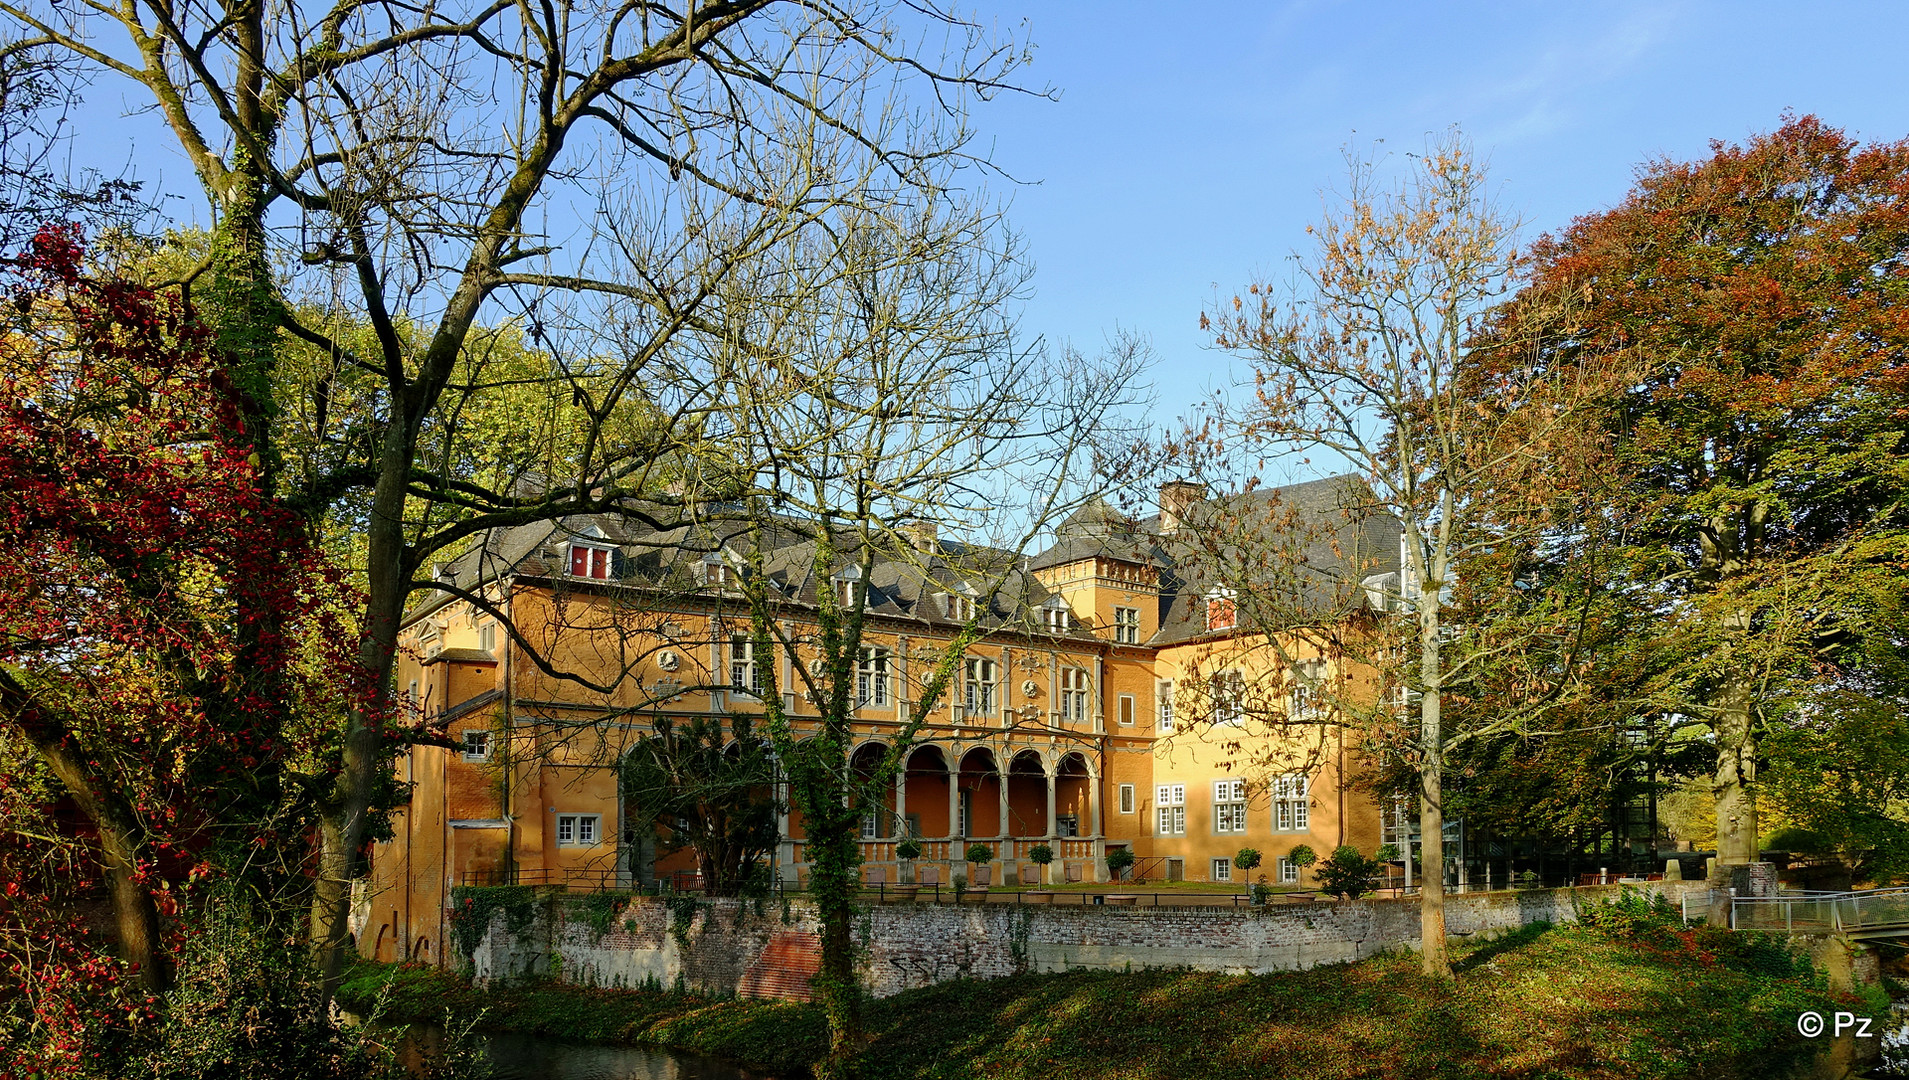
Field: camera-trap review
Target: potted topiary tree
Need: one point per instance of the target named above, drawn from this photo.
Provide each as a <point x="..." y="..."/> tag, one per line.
<point x="908" y="850"/>
<point x="981" y="855"/>
<point x="1118" y="860"/>
<point x="1246" y="859"/>
<point x="1301" y="856"/>
<point x="1041" y="855"/>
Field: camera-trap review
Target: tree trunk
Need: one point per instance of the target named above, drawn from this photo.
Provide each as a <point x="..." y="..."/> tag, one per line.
<point x="135" y="916"/>
<point x="1733" y="784"/>
<point x="388" y="573"/>
<point x="1437" y="960"/>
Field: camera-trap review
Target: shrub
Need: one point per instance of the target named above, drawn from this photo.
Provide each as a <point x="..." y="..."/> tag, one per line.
<point x="908" y="849"/>
<point x="1118" y="860"/>
<point x="1387" y="853"/>
<point x="1041" y="854"/>
<point x="980" y="853"/>
<point x="1347" y="874"/>
<point x="1631" y="913"/>
<point x="1301" y="856"/>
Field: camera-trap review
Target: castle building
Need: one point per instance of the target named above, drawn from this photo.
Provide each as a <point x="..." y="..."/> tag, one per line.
<point x="1105" y="705"/>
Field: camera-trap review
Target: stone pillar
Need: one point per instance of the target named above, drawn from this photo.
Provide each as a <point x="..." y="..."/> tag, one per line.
<point x="954" y="804"/>
<point x="1001" y="781"/>
<point x="901" y="801"/>
<point x="1673" y="870"/>
<point x="1054" y="872"/>
<point x="1092" y="804"/>
<point x="785" y="845"/>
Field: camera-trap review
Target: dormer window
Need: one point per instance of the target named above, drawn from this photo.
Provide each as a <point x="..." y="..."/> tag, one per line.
<point x="959" y="608"/>
<point x="590" y="561"/>
<point x="1056" y="616"/>
<point x="717" y="574"/>
<point x="1221" y="613"/>
<point x="848" y="588"/>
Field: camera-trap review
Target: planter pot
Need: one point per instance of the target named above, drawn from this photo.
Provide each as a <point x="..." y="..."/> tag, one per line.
<point x="903" y="894"/>
<point x="1119" y="900"/>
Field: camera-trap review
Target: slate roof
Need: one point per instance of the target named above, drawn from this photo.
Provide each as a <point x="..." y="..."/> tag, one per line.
<point x="904" y="582"/>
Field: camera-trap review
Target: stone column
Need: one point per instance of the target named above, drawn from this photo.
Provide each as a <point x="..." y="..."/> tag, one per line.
<point x="1053" y="836"/>
<point x="1001" y="781"/>
<point x="954" y="800"/>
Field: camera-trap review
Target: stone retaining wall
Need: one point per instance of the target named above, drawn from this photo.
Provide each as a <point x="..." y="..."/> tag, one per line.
<point x="770" y="949"/>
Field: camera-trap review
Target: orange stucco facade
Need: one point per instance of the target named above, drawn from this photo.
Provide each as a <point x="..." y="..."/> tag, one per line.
<point x="1072" y="749"/>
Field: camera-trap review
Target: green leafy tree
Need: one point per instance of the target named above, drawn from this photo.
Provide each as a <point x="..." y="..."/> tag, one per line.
<point x="1838" y="768"/>
<point x="709" y="788"/>
<point x="1760" y="458"/>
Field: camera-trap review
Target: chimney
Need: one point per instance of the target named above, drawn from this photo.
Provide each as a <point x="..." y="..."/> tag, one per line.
<point x="1175" y="497"/>
<point x="920" y="535"/>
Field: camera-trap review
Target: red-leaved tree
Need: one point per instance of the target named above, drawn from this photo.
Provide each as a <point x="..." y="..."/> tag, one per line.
<point x="166" y="660"/>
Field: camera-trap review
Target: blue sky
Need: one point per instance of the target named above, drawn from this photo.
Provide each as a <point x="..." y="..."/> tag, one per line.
<point x="1191" y="141"/>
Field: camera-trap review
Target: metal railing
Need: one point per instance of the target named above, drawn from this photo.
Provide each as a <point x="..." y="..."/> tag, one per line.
<point x="1859" y="911"/>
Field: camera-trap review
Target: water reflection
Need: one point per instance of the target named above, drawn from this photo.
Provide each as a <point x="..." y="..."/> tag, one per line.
<point x="533" y="1057"/>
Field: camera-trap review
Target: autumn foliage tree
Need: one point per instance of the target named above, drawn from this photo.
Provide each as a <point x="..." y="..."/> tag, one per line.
<point x="156" y="735"/>
<point x="1363" y="363"/>
<point x="1760" y="461"/>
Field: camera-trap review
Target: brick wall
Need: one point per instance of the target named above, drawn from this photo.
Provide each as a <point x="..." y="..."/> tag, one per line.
<point x="770" y="950"/>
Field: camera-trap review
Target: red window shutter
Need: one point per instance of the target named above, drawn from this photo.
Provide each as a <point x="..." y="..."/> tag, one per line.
<point x="599" y="564"/>
<point x="579" y="560"/>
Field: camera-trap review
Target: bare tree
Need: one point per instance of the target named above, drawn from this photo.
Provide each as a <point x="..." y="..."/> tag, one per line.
<point x="889" y="447"/>
<point x="430" y="168"/>
<point x="1372" y="361"/>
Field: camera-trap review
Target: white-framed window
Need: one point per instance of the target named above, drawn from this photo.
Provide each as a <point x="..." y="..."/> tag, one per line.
<point x="871" y="678"/>
<point x="1057" y="618"/>
<point x="1222" y="869"/>
<point x="487" y="637"/>
<point x="1124" y="712"/>
<point x="579" y="830"/>
<point x="964" y="811"/>
<point x="589" y="561"/>
<point x="1170" y="810"/>
<point x="743" y="673"/>
<point x="1288" y="873"/>
<point x="1308" y="678"/>
<point x="1126" y="798"/>
<point x="717" y="573"/>
<point x="1221" y="611"/>
<point x="1395" y="821"/>
<point x="1291" y="801"/>
<point x="1164" y="695"/>
<point x="981" y="681"/>
<point x="1074" y="694"/>
<point x="875" y="824"/>
<point x="1126" y="626"/>
<point x="477" y="745"/>
<point x="1229" y="697"/>
<point x="1229" y="806"/>
<point x="960" y="608"/>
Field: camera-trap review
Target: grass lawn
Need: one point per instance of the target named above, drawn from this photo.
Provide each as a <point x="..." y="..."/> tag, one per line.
<point x="1565" y="1002"/>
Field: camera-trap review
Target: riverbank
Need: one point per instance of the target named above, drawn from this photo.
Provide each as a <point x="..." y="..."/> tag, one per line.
<point x="1566" y="1002"/>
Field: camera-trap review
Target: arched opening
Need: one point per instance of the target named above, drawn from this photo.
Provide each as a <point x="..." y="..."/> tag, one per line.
<point x="875" y="801"/>
<point x="1027" y="795"/>
<point x="1073" y="798"/>
<point x="925" y="801"/>
<point x="978" y="807"/>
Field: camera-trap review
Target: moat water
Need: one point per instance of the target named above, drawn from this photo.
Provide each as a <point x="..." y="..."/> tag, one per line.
<point x="534" y="1057"/>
